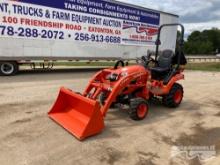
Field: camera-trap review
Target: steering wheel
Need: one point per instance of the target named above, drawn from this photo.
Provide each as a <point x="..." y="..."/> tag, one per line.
<point x="145" y="60"/>
<point x="118" y="63"/>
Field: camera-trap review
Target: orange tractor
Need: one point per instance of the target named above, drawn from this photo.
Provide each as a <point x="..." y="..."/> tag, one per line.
<point x="83" y="114"/>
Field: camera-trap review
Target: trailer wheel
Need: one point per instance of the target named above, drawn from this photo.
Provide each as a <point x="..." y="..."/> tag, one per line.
<point x="138" y="109"/>
<point x="174" y="98"/>
<point x="8" y="68"/>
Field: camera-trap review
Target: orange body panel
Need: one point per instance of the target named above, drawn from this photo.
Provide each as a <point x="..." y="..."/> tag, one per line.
<point x="158" y="88"/>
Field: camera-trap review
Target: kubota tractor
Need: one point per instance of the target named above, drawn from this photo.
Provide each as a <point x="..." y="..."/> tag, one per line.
<point x="83" y="114"/>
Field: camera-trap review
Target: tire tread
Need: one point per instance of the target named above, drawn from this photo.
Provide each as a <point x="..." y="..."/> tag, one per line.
<point x="134" y="103"/>
<point x="168" y="99"/>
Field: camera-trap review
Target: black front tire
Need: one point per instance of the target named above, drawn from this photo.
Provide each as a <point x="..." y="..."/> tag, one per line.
<point x="102" y="99"/>
<point x="8" y="68"/>
<point x="138" y="109"/>
<point x="174" y="98"/>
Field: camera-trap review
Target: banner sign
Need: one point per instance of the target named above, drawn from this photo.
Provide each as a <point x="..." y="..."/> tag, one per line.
<point x="78" y="21"/>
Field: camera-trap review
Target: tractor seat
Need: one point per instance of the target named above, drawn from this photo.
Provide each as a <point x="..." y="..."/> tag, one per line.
<point x="164" y="65"/>
<point x="159" y="70"/>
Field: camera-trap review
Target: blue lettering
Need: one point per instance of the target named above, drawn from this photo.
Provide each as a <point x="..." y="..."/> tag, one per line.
<point x="61" y="15"/>
<point x="3" y="7"/>
<point x="25" y="10"/>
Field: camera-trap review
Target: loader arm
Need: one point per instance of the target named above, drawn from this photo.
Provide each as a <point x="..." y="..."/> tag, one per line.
<point x="98" y="85"/>
<point x="118" y="89"/>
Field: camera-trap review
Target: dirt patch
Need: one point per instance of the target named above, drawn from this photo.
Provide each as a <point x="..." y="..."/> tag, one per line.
<point x="217" y="114"/>
<point x="212" y="103"/>
<point x="111" y="156"/>
<point x="190" y="106"/>
<point x="22" y="121"/>
<point x="195" y="161"/>
<point x="25" y="135"/>
<point x="11" y="105"/>
<point x="167" y="140"/>
<point x="181" y="161"/>
<point x="18" y="135"/>
<point x="29" y="112"/>
<point x="4" y="108"/>
<point x="198" y="114"/>
<point x="147" y="158"/>
<point x="216" y="103"/>
<point x="201" y="137"/>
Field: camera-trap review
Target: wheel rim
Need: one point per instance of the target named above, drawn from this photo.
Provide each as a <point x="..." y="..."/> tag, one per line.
<point x="142" y="110"/>
<point x="7" y="68"/>
<point x="178" y="96"/>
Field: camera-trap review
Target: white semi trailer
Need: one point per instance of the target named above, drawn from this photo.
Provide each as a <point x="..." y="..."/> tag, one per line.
<point x="35" y="30"/>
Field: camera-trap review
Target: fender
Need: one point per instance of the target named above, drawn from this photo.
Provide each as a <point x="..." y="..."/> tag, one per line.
<point x="158" y="88"/>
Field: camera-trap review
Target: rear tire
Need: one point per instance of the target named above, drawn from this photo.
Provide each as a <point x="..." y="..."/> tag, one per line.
<point x="8" y="68"/>
<point x="174" y="98"/>
<point x="138" y="109"/>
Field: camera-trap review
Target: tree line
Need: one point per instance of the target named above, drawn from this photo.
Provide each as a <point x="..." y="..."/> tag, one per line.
<point x="205" y="42"/>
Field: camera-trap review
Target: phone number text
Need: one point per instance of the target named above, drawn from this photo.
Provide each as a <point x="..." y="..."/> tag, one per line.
<point x="54" y="34"/>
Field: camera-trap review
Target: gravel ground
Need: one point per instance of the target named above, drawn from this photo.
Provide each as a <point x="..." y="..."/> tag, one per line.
<point x="29" y="137"/>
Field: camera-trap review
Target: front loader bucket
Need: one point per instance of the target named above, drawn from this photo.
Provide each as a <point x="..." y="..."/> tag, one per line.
<point x="79" y="115"/>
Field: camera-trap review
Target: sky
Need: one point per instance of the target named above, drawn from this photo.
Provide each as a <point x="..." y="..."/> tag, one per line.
<point x="194" y="14"/>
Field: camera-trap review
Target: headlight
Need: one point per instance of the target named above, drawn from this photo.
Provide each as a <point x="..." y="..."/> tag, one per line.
<point x="113" y="77"/>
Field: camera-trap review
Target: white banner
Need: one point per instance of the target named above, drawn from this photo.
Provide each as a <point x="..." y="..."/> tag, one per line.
<point x="78" y="21"/>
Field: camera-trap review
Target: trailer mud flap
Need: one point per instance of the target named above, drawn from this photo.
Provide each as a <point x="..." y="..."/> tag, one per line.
<point x="79" y="115"/>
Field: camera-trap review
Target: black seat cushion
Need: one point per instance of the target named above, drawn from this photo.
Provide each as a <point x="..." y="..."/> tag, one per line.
<point x="159" y="73"/>
<point x="159" y="69"/>
<point x="165" y="59"/>
<point x="164" y="65"/>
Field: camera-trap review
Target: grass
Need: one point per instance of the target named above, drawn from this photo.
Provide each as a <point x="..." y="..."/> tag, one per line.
<point x="215" y="66"/>
<point x="211" y="66"/>
<point x="204" y="66"/>
<point x="85" y="64"/>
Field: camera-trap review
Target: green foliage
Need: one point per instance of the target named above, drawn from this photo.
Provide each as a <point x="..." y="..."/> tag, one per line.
<point x="205" y="42"/>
